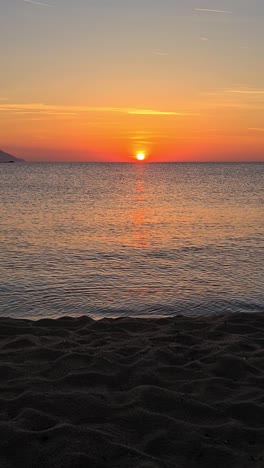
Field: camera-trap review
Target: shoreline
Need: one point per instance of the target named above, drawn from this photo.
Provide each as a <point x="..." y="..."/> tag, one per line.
<point x="176" y="392"/>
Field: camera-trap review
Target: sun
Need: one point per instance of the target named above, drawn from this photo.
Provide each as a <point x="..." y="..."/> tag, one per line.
<point x="141" y="156"/>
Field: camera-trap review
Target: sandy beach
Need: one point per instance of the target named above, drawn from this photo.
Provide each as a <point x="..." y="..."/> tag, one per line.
<point x="175" y="392"/>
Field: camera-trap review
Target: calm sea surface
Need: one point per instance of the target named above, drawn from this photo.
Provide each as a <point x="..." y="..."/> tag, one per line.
<point x="114" y="239"/>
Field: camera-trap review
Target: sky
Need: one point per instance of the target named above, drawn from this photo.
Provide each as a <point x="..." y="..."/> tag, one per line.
<point x="101" y="80"/>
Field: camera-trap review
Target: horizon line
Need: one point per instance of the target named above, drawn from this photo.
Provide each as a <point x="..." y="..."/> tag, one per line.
<point x="145" y="162"/>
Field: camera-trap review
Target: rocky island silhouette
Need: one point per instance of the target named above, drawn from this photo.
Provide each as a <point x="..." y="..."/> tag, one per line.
<point x="9" y="158"/>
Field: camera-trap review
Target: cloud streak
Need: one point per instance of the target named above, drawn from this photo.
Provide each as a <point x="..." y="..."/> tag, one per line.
<point x="161" y="53"/>
<point x="39" y="3"/>
<point x="245" y="91"/>
<point x="46" y="108"/>
<point x="209" y="10"/>
<point x="152" y="112"/>
<point x="256" y="129"/>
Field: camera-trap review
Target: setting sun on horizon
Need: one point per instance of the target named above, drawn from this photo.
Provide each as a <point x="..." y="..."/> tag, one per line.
<point x="141" y="156"/>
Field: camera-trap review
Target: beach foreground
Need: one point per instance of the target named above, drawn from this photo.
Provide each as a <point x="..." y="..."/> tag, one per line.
<point x="175" y="392"/>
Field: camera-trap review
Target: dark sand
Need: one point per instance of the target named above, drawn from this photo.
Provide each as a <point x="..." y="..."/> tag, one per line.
<point x="177" y="392"/>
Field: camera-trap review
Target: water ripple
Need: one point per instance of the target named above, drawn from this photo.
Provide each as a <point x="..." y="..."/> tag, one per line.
<point x="110" y="240"/>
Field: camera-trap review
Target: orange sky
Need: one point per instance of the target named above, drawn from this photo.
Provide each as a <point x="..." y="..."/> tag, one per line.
<point x="105" y="81"/>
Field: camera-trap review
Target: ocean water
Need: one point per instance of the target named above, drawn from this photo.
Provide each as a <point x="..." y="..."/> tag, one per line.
<point x="137" y="239"/>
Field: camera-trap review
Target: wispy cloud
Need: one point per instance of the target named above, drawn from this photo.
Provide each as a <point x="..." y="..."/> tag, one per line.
<point x="152" y="112"/>
<point x="245" y="91"/>
<point x="51" y="109"/>
<point x="39" y="3"/>
<point x="209" y="10"/>
<point x="256" y="129"/>
<point x="38" y="119"/>
<point x="161" y="53"/>
<point x="137" y="137"/>
<point x="45" y="114"/>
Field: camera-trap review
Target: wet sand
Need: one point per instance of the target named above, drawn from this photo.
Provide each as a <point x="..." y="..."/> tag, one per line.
<point x="175" y="392"/>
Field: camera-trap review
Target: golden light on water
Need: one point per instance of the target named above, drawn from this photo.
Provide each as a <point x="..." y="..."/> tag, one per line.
<point x="140" y="156"/>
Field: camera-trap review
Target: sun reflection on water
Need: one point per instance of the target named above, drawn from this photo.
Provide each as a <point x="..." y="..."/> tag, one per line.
<point x="141" y="234"/>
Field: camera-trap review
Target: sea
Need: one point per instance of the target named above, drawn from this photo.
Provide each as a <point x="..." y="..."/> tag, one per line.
<point x="140" y="239"/>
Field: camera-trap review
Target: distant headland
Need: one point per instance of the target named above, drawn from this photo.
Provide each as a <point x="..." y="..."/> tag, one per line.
<point x="9" y="158"/>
